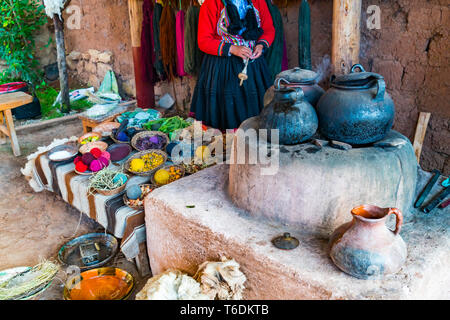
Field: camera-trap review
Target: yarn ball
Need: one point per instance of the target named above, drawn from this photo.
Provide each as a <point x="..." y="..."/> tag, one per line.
<point x="77" y="159"/>
<point x="122" y="136"/>
<point x="120" y="177"/>
<point x="154" y="139"/>
<point x="80" y="166"/>
<point x="96" y="152"/>
<point x="96" y="166"/>
<point x="105" y="154"/>
<point x="134" y="192"/>
<point x="103" y="161"/>
<point x="87" y="158"/>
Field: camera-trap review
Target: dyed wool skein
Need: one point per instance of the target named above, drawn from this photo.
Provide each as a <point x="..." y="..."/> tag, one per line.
<point x="147" y="42"/>
<point x="167" y="35"/>
<point x="157" y="62"/>
<point x="192" y="54"/>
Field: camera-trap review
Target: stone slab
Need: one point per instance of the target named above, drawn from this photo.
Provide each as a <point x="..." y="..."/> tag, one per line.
<point x="182" y="238"/>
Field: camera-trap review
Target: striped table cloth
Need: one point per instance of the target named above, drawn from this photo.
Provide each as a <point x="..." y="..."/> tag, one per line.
<point x="109" y="211"/>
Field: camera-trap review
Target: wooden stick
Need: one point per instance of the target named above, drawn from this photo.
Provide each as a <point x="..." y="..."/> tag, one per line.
<point x="12" y="133"/>
<point x="346" y="35"/>
<point x="421" y="130"/>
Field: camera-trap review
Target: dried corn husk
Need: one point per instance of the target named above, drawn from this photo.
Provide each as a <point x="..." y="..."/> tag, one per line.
<point x="221" y="280"/>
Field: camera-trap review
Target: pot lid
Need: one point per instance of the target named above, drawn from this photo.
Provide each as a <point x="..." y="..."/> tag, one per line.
<point x="285" y="242"/>
<point x="355" y="79"/>
<point x="298" y="75"/>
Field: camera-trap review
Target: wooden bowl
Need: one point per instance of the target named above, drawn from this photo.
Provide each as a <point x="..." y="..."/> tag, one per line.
<point x="126" y="200"/>
<point x="100" y="284"/>
<point x="106" y="128"/>
<point x="181" y="168"/>
<point x="149" y="134"/>
<point x="91" y="145"/>
<point x="143" y="153"/>
<point x="89" y="134"/>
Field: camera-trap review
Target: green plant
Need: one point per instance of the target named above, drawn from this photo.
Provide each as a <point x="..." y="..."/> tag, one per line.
<point x="20" y="20"/>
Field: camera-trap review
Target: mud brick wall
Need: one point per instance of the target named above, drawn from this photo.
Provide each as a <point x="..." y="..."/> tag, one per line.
<point x="411" y="50"/>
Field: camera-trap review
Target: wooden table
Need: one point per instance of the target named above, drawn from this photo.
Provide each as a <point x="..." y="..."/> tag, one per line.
<point x="10" y="101"/>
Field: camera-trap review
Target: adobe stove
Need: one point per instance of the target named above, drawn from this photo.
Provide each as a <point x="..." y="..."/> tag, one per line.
<point x="354" y="159"/>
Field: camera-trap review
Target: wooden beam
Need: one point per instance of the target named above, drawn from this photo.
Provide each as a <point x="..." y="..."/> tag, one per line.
<point x="346" y="35"/>
<point x="145" y="93"/>
<point x="421" y="131"/>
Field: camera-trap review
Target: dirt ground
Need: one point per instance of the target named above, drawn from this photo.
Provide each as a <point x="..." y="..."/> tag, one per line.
<point x="35" y="225"/>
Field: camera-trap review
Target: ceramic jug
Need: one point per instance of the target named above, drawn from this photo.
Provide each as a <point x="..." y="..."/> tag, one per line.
<point x="289" y="113"/>
<point x="356" y="109"/>
<point x="305" y="79"/>
<point x="365" y="248"/>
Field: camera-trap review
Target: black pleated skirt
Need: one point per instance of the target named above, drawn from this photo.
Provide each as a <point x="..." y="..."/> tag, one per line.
<point x="218" y="99"/>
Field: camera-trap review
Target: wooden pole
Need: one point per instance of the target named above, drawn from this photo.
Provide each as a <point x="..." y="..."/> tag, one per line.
<point x="346" y="35"/>
<point x="62" y="65"/>
<point x="421" y="131"/>
<point x="145" y="92"/>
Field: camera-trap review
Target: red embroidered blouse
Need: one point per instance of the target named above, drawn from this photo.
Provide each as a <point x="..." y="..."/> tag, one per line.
<point x="209" y="41"/>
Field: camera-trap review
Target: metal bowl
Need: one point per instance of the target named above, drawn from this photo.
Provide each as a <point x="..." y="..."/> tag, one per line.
<point x="100" y="284"/>
<point x="72" y="148"/>
<point x="70" y="253"/>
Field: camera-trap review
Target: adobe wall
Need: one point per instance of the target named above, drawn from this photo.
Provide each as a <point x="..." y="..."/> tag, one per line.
<point x="411" y="50"/>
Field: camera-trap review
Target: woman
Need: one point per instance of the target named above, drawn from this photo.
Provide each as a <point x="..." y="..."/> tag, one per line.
<point x="230" y="32"/>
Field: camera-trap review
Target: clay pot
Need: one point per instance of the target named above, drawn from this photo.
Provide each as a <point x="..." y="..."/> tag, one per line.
<point x="365" y="248"/>
<point x="356" y="109"/>
<point x="305" y="79"/>
<point x="290" y="114"/>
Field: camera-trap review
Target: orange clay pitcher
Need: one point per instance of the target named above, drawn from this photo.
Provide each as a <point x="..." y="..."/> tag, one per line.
<point x="365" y="248"/>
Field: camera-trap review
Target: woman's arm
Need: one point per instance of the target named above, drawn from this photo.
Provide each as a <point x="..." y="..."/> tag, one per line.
<point x="207" y="30"/>
<point x="266" y="24"/>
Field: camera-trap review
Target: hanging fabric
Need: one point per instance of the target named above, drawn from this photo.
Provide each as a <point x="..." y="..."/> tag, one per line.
<point x="147" y="42"/>
<point x="274" y="54"/>
<point x="167" y="39"/>
<point x="180" y="43"/>
<point x="304" y="36"/>
<point x="192" y="54"/>
<point x="158" y="64"/>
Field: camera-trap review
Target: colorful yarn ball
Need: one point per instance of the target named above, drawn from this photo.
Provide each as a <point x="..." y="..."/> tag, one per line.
<point x="105" y="154"/>
<point x="77" y="159"/>
<point x="80" y="166"/>
<point x="103" y="161"/>
<point x="96" y="166"/>
<point x="87" y="158"/>
<point x="96" y="152"/>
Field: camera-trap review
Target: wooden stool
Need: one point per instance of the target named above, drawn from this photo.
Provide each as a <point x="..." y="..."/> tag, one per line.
<point x="10" y="101"/>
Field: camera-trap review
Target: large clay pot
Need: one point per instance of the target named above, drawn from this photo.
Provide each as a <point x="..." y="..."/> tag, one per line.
<point x="356" y="109"/>
<point x="305" y="79"/>
<point x="289" y="113"/>
<point x="365" y="248"/>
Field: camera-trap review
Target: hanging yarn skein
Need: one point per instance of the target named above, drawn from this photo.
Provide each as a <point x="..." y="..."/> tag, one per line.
<point x="274" y="54"/>
<point x="167" y="35"/>
<point x="147" y="42"/>
<point x="157" y="62"/>
<point x="180" y="43"/>
<point x="304" y="36"/>
<point x="192" y="54"/>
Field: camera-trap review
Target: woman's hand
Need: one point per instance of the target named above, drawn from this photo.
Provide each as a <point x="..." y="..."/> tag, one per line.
<point x="241" y="51"/>
<point x="257" y="52"/>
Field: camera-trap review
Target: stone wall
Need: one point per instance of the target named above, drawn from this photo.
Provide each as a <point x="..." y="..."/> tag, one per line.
<point x="411" y="50"/>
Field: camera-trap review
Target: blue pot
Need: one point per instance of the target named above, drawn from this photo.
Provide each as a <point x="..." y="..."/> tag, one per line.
<point x="290" y="113"/>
